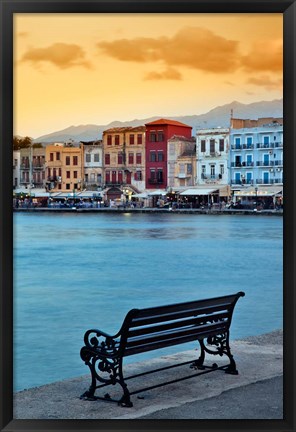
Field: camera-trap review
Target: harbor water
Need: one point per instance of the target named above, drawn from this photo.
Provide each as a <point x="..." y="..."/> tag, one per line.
<point x="78" y="271"/>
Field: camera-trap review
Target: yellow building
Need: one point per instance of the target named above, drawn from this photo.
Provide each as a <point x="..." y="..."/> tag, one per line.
<point x="124" y="160"/>
<point x="181" y="161"/>
<point x="64" y="168"/>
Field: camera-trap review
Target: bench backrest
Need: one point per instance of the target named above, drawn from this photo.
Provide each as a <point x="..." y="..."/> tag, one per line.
<point x="158" y="327"/>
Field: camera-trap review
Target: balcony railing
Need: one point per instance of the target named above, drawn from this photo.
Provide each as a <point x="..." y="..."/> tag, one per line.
<point x="155" y="181"/>
<point x="242" y="181"/>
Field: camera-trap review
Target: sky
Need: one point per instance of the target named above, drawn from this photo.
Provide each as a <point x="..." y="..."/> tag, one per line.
<point x="77" y="69"/>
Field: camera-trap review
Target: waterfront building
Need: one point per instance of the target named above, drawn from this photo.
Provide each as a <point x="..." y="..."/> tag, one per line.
<point x="256" y="155"/>
<point x="93" y="164"/>
<point x="256" y="159"/>
<point x="32" y="167"/>
<point x="64" y="168"/>
<point x="124" y="161"/>
<point x="212" y="152"/>
<point x="158" y="133"/>
<point x="16" y="169"/>
<point x="181" y="161"/>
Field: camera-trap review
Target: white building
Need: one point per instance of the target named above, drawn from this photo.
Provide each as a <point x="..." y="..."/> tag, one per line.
<point x="93" y="164"/>
<point x="212" y="152"/>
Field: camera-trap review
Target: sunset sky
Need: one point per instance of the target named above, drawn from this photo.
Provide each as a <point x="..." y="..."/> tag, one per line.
<point x="73" y="69"/>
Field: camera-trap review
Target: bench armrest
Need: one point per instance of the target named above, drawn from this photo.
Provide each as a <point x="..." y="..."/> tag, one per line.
<point x="92" y="339"/>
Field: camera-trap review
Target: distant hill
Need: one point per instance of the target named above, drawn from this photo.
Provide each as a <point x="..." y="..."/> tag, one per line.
<point x="219" y="116"/>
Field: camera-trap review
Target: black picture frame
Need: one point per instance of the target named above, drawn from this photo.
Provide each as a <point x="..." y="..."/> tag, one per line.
<point x="8" y="9"/>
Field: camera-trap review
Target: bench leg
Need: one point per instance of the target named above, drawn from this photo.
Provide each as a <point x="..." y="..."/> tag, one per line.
<point x="125" y="401"/>
<point x="198" y="364"/>
<point x="221" y="342"/>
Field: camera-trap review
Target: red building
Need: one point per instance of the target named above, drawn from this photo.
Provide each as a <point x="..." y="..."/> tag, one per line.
<point x="158" y="133"/>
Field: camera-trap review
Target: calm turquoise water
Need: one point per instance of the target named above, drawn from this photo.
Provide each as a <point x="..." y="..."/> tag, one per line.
<point x="76" y="271"/>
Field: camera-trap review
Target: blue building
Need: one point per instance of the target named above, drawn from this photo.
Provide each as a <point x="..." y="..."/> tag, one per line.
<point x="256" y="159"/>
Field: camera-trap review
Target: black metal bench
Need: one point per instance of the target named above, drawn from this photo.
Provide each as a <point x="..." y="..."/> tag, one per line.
<point x="159" y="327"/>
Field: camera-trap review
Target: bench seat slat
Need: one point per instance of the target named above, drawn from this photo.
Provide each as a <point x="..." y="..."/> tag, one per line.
<point x="226" y="301"/>
<point x="170" y="342"/>
<point x="148" y="329"/>
<point x="139" y="321"/>
<point x="192" y="330"/>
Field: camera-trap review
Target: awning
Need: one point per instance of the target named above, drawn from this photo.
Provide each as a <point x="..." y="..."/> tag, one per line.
<point x="201" y="191"/>
<point x="140" y="195"/>
<point x="157" y="192"/>
<point x="261" y="192"/>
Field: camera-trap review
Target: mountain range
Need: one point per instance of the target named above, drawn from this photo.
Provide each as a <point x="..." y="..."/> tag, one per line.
<point x="217" y="117"/>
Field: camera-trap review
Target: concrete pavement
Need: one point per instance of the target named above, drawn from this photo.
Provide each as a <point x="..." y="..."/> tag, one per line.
<point x="256" y="393"/>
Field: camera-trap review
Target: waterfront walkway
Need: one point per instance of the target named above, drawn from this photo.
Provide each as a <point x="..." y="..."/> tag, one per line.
<point x="256" y="393"/>
<point x="151" y="210"/>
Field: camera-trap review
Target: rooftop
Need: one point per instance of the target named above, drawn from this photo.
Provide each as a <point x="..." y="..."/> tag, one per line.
<point x="125" y="129"/>
<point x="167" y="122"/>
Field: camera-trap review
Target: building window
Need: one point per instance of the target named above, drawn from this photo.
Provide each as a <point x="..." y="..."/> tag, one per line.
<point x="203" y="171"/>
<point x="152" y="156"/>
<point x="212" y="171"/>
<point x="182" y="168"/>
<point x="152" y="137"/>
<point x="75" y="174"/>
<point x="189" y="168"/>
<point x="212" y="146"/>
<point x="160" y="136"/>
<point x="107" y="176"/>
<point x="68" y="174"/>
<point x="58" y="155"/>
<point x="109" y="139"/>
<point x="120" y="177"/>
<point x="249" y="142"/>
<point x="68" y="186"/>
<point x="116" y="139"/>
<point x="51" y="157"/>
<point x="237" y="142"/>
<point x="132" y="139"/>
<point x="87" y="157"/>
<point x="221" y="145"/>
<point x="160" y="176"/>
<point x="222" y="169"/>
<point x="139" y="139"/>
<point x="60" y="172"/>
<point x="152" y="174"/>
<point x="266" y="141"/>
<point x="67" y="160"/>
<point x="120" y="159"/>
<point x="131" y="158"/>
<point x="160" y="156"/>
<point x="203" y="146"/>
<point x="138" y="158"/>
<point x="107" y="159"/>
<point x="97" y="157"/>
<point x="138" y="175"/>
<point x="75" y="160"/>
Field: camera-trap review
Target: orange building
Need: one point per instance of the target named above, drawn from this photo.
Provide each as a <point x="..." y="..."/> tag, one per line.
<point x="64" y="168"/>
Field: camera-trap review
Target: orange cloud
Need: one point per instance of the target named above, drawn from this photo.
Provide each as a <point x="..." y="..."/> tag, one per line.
<point x="61" y="55"/>
<point x="193" y="47"/>
<point x="168" y="74"/>
<point x="266" y="82"/>
<point x="265" y="56"/>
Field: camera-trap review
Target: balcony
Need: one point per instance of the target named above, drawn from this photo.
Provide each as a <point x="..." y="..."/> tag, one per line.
<point x="155" y="181"/>
<point x="270" y="181"/>
<point x="265" y="146"/>
<point x="242" y="182"/>
<point x="236" y="146"/>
